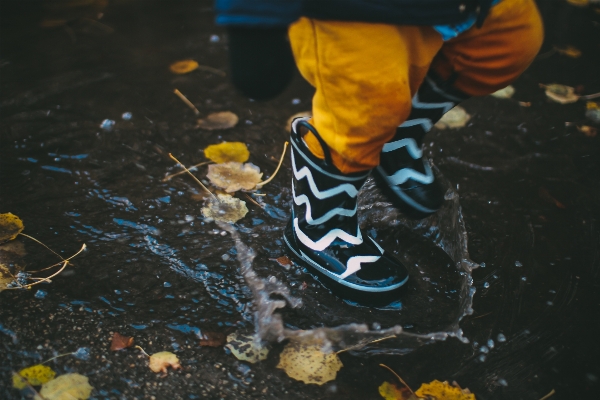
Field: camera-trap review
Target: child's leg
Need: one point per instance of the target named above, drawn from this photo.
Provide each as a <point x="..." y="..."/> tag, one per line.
<point x="478" y="62"/>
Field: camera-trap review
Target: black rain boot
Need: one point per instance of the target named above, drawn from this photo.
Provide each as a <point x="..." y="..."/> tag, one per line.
<point x="323" y="232"/>
<point x="403" y="173"/>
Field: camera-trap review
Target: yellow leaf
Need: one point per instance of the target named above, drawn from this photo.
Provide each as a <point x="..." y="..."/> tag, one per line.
<point x="227" y="151"/>
<point x="67" y="387"/>
<point x="592" y="105"/>
<point x="455" y="118"/>
<point x="162" y="360"/>
<point x="36" y="375"/>
<point x="308" y="363"/>
<point x="233" y="176"/>
<point x="560" y="93"/>
<point x="183" y="67"/>
<point x="505" y="93"/>
<point x="443" y="391"/>
<point x="10" y="227"/>
<point x="226" y="209"/>
<point x="390" y="391"/>
<point x="218" y="121"/>
<point x="569" y="51"/>
<point x="245" y="348"/>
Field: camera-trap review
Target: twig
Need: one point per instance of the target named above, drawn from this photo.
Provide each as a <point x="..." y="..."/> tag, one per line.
<point x="138" y="347"/>
<point x="363" y="345"/>
<point x="261" y="184"/>
<point x="482" y="315"/>
<point x="253" y="201"/>
<point x="192" y="175"/>
<point x="186" y="101"/>
<point x="37" y="241"/>
<point x="398" y="376"/>
<point x="65" y="263"/>
<point x="60" y="355"/>
<point x="590" y="96"/>
<point x="211" y="69"/>
<point x="552" y="392"/>
<point x="169" y="177"/>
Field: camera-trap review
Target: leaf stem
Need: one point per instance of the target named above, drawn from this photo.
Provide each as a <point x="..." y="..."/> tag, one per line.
<point x="552" y="392"/>
<point x="37" y="241"/>
<point x="143" y="351"/>
<point x="60" y="355"/>
<point x="169" y="177"/>
<point x="186" y="101"/>
<point x="397" y="376"/>
<point x="261" y="184"/>
<point x="192" y="175"/>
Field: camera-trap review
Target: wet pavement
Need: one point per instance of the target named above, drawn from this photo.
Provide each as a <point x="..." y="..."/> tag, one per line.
<point x="526" y="187"/>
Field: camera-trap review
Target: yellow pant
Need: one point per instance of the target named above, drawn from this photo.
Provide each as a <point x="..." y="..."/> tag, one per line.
<point x="366" y="74"/>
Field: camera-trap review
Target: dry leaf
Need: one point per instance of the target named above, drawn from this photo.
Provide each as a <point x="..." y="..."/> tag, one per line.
<point x="67" y="387"/>
<point x="35" y="375"/>
<point x="10" y="227"/>
<point x="183" y="67"/>
<point x="306" y="362"/>
<point x="389" y="391"/>
<point x="120" y="342"/>
<point x="569" y="51"/>
<point x="288" y="125"/>
<point x="213" y="339"/>
<point x="443" y="391"/>
<point x="588" y="131"/>
<point x="233" y="176"/>
<point x="227" y="151"/>
<point x="225" y="209"/>
<point x="218" y="120"/>
<point x="245" y="348"/>
<point x="560" y="93"/>
<point x="455" y="118"/>
<point x="162" y="360"/>
<point x="284" y="261"/>
<point x="505" y="93"/>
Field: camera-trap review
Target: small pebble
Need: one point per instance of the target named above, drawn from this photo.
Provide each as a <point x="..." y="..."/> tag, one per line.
<point x="107" y="124"/>
<point x="501" y="338"/>
<point x="214" y="39"/>
<point x="295" y="101"/>
<point x="490" y="344"/>
<point x="502" y="382"/>
<point x="518" y="264"/>
<point x="126" y="116"/>
<point x="167" y="284"/>
<point x="40" y="294"/>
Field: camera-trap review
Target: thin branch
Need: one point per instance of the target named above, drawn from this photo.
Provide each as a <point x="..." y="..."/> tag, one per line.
<point x="261" y="184"/>
<point x="552" y="392"/>
<point x="192" y="175"/>
<point x="590" y="96"/>
<point x="397" y="376"/>
<point x="253" y="201"/>
<point x="186" y="101"/>
<point x="60" y="355"/>
<point x="37" y="241"/>
<point x="358" y="346"/>
<point x="169" y="177"/>
<point x="138" y="347"/>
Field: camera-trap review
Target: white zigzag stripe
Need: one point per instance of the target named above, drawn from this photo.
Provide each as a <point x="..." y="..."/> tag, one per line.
<point x="410" y="144"/>
<point x="354" y="263"/>
<point x="326" y="240"/>
<point x="426" y="122"/>
<point x="447" y="106"/>
<point x="405" y="174"/>
<point x="305" y="173"/>
<point x="303" y="199"/>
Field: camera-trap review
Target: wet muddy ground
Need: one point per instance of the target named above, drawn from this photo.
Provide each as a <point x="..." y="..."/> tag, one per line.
<point x="529" y="190"/>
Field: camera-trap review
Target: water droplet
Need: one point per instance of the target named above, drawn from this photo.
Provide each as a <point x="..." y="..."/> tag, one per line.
<point x="486" y="285"/>
<point x="214" y="39"/>
<point x="550" y="303"/>
<point x="126" y="116"/>
<point x="107" y="124"/>
<point x="490" y="344"/>
<point x="225" y="257"/>
<point x="482" y="358"/>
<point x="189" y="218"/>
<point x="502" y="382"/>
<point x="518" y="264"/>
<point x="501" y="338"/>
<point x="82" y="353"/>
<point x="167" y="284"/>
<point x="376" y="326"/>
<point x="484" y="349"/>
<point x="40" y="294"/>
<point x="295" y="101"/>
<point x="482" y="265"/>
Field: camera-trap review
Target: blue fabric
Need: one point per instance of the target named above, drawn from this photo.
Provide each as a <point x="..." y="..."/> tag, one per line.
<point x="259" y="13"/>
<point x="451" y="31"/>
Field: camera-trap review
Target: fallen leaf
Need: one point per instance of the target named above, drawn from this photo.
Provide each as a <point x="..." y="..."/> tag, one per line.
<point x="443" y="391"/>
<point x="569" y="51"/>
<point x="505" y="93"/>
<point x="588" y="131"/>
<point x="218" y="120"/>
<point x="227" y="151"/>
<point x="389" y="391"/>
<point x="10" y="227"/>
<point x="284" y="261"/>
<point x="162" y="360"/>
<point x="288" y="124"/>
<point x="120" y="342"/>
<point x="213" y="339"/>
<point x="226" y="209"/>
<point x="245" y="348"/>
<point x="308" y="363"/>
<point x="560" y="93"/>
<point x="233" y="176"/>
<point x="455" y="118"/>
<point x="35" y="375"/>
<point x="67" y="387"/>
<point x="592" y="111"/>
<point x="183" y="67"/>
<point x="11" y="262"/>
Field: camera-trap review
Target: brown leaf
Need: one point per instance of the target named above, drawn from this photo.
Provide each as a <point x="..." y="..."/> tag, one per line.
<point x="284" y="261"/>
<point x="218" y="120"/>
<point x="213" y="339"/>
<point x="588" y="131"/>
<point x="120" y="342"/>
